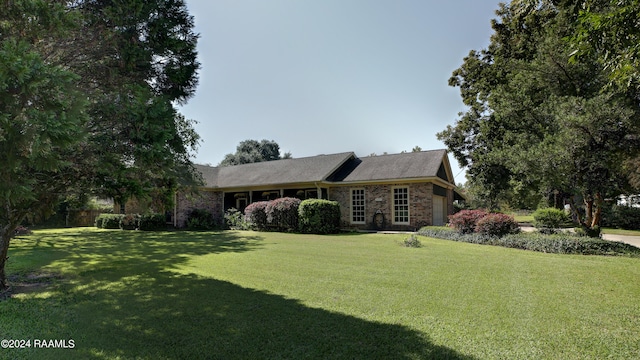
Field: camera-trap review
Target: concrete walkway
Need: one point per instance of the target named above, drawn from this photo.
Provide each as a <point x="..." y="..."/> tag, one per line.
<point x="627" y="239"/>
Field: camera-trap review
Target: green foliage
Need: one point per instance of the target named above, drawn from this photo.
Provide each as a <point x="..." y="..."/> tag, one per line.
<point x="562" y="243"/>
<point x="411" y="241"/>
<point x="534" y="123"/>
<point x="152" y="222"/>
<point x="201" y="219"/>
<point x="282" y="213"/>
<point x="235" y="220"/>
<point x="465" y="221"/>
<point x="129" y="221"/>
<point x="497" y="225"/>
<point x="549" y="219"/>
<point x="623" y="217"/>
<point x="252" y="151"/>
<point x="318" y="216"/>
<point x="256" y="215"/>
<point x="111" y="221"/>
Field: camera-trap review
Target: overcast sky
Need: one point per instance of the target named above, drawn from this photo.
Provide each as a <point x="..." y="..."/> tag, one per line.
<point x="328" y="76"/>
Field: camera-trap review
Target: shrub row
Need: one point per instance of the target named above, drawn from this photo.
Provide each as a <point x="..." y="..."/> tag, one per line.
<point x="622" y="217"/>
<point x="145" y="222"/>
<point x="562" y="243"/>
<point x="483" y="223"/>
<point x="314" y="216"/>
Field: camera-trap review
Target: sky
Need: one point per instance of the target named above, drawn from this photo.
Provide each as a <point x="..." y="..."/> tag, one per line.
<point x="330" y="76"/>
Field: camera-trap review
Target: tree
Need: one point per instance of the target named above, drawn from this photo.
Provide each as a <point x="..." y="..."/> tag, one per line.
<point x="41" y="117"/>
<point x="251" y="151"/>
<point x="537" y="120"/>
<point x="87" y="104"/>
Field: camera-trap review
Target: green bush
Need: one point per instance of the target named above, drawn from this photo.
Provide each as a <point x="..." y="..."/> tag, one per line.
<point x="201" y="219"/>
<point x="282" y="213"/>
<point x="152" y="222"/>
<point x="497" y="225"/>
<point x="98" y="221"/>
<point x="319" y="216"/>
<point x="562" y="243"/>
<point x="235" y="219"/>
<point x="623" y="217"/>
<point x="547" y="220"/>
<point x="129" y="221"/>
<point x="256" y="216"/>
<point x="411" y="241"/>
<point x="111" y="221"/>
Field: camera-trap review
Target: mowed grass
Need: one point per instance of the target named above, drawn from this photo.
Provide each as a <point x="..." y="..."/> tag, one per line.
<point x="249" y="295"/>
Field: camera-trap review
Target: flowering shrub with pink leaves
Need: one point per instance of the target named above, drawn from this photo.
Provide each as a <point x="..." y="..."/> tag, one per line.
<point x="465" y="221"/>
<point x="497" y="225"/>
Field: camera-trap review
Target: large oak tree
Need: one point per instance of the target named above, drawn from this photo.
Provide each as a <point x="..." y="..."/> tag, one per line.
<point x="540" y="120"/>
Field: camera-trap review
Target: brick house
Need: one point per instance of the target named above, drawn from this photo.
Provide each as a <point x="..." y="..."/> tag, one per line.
<point x="388" y="192"/>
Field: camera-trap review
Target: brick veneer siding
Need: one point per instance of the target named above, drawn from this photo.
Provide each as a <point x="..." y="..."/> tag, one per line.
<point x="420" y="205"/>
<point x="209" y="200"/>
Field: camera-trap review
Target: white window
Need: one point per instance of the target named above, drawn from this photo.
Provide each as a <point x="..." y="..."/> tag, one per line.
<point x="401" y="205"/>
<point x="357" y="206"/>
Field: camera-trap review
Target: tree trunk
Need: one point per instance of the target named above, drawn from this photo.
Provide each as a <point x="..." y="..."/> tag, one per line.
<point x="597" y="212"/>
<point x="5" y="239"/>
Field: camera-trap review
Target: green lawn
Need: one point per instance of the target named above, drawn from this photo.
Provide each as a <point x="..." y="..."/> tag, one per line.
<point x="248" y="295"/>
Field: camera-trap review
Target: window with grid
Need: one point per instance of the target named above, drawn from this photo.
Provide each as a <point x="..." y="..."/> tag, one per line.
<point x="401" y="205"/>
<point x="357" y="206"/>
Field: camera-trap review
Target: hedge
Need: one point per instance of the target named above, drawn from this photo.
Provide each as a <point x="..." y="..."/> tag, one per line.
<point x="562" y="243"/>
<point x="282" y="213"/>
<point x="255" y="214"/>
<point x="319" y="216"/>
<point x="152" y="222"/>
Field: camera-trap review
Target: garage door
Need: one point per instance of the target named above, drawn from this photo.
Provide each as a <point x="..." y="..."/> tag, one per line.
<point x="439" y="210"/>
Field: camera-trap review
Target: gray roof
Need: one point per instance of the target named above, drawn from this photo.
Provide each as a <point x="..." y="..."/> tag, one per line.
<point x="342" y="167"/>
<point x="287" y="171"/>
<point x="411" y="165"/>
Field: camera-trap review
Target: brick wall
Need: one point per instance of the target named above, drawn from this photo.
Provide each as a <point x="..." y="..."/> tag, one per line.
<point x="379" y="198"/>
<point x="209" y="200"/>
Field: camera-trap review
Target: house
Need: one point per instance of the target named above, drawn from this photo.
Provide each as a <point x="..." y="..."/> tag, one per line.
<point x="388" y="192"/>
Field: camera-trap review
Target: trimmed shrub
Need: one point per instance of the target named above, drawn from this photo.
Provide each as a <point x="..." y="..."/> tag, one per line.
<point x="497" y="225"/>
<point x="111" y="221"/>
<point x="235" y="220"/>
<point x="99" y="220"/>
<point x="256" y="216"/>
<point x="465" y="220"/>
<point x="129" y="221"/>
<point x="548" y="219"/>
<point x="282" y="213"/>
<point x="200" y="219"/>
<point x="152" y="222"/>
<point x="318" y="216"/>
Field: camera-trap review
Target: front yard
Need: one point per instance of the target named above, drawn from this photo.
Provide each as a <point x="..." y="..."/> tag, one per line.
<point x="247" y="295"/>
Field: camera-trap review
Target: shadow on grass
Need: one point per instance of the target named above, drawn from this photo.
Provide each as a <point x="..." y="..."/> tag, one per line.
<point x="139" y="308"/>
